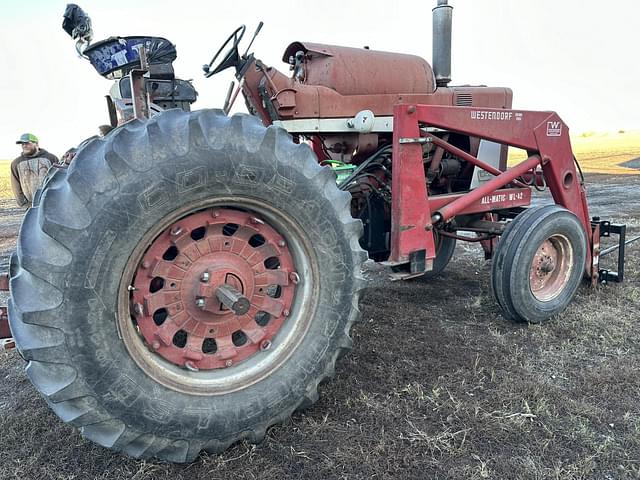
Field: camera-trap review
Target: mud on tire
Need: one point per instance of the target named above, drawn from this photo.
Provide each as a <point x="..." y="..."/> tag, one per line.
<point x="79" y="254"/>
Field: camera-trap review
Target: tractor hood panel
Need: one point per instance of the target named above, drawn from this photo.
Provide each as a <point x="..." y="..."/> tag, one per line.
<point x="360" y="71"/>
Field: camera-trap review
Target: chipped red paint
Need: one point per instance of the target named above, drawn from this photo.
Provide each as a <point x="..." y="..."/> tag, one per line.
<point x="228" y="247"/>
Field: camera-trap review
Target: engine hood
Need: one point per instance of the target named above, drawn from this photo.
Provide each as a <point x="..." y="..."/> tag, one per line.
<point x="359" y="71"/>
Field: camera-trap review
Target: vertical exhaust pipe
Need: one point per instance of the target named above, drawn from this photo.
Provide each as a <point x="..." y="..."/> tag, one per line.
<point x="442" y="17"/>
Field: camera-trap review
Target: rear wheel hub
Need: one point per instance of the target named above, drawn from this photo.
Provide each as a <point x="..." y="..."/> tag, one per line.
<point x="194" y="284"/>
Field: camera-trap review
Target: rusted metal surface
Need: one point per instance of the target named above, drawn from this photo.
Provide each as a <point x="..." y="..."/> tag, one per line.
<point x="359" y="71"/>
<point x="266" y="89"/>
<point x="550" y="268"/>
<point x="5" y="331"/>
<point x="177" y="290"/>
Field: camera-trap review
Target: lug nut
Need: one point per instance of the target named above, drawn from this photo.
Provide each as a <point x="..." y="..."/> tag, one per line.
<point x="156" y="345"/>
<point x="285" y="312"/>
<point x="200" y="303"/>
<point x="282" y="243"/>
<point x="257" y="221"/>
<point x="228" y="363"/>
<point x="191" y="367"/>
<point x="215" y="214"/>
<point x="294" y="277"/>
<point x="146" y="264"/>
<point x="205" y="277"/>
<point x="265" y="345"/>
<point x="138" y="309"/>
<point x="175" y="231"/>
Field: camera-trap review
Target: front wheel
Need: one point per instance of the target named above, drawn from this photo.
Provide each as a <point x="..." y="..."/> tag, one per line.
<point x="186" y="284"/>
<point x="539" y="263"/>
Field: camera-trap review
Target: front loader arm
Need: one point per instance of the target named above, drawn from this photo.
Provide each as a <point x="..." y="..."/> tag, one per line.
<point x="543" y="134"/>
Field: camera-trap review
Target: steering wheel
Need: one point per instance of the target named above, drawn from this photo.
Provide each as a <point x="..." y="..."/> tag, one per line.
<point x="231" y="56"/>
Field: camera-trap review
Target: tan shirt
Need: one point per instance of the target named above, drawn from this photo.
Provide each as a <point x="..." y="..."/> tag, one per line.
<point x="27" y="174"/>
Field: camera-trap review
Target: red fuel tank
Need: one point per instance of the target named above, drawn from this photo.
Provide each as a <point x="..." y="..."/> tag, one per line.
<point x="355" y="71"/>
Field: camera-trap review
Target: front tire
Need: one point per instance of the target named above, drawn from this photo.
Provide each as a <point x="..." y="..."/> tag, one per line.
<point x="125" y="338"/>
<point x="539" y="264"/>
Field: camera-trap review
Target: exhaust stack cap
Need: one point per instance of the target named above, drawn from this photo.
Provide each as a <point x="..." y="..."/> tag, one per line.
<point x="442" y="19"/>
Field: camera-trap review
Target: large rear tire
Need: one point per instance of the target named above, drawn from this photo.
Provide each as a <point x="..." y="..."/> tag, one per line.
<point x="539" y="264"/>
<point x="114" y="284"/>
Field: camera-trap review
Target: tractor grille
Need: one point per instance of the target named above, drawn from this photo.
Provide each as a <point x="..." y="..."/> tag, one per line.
<point x="463" y="99"/>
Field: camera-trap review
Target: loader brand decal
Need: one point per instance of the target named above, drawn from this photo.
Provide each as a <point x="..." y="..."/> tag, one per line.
<point x="486" y="115"/>
<point x="554" y="128"/>
<point x="501" y="198"/>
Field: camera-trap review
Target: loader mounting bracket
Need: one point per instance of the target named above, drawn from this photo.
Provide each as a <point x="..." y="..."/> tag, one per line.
<point x="605" y="229"/>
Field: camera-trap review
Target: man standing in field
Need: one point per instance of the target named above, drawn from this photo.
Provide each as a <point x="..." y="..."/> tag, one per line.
<point x="29" y="169"/>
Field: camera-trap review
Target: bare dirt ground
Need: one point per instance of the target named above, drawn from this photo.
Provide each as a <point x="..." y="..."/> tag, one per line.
<point x="438" y="385"/>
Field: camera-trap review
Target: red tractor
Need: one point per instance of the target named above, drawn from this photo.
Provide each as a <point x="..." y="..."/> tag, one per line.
<point x="192" y="278"/>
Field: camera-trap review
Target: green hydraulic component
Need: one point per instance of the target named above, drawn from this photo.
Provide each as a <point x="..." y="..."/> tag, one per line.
<point x="343" y="170"/>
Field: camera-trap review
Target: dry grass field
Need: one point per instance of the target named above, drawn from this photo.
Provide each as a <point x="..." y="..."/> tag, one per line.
<point x="5" y="182"/>
<point x="600" y="152"/>
<point x="438" y="385"/>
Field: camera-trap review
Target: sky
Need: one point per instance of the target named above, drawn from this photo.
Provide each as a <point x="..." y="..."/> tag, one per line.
<point x="578" y="58"/>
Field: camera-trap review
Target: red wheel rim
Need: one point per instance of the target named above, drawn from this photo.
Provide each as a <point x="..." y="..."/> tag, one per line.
<point x="174" y="304"/>
<point x="551" y="267"/>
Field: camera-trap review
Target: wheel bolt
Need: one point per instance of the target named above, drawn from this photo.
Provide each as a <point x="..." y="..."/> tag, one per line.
<point x="281" y="243"/>
<point x="138" y="309"/>
<point x="175" y="231"/>
<point x="228" y="363"/>
<point x="294" y="277"/>
<point x="200" y="303"/>
<point x="146" y="264"/>
<point x="205" y="277"/>
<point x="265" y="345"/>
<point x="256" y="221"/>
<point x="155" y="345"/>
<point x="191" y="367"/>
<point x="285" y="312"/>
<point x="215" y="214"/>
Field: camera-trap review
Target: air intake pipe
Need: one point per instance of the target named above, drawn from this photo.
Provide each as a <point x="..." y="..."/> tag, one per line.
<point x="442" y="15"/>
